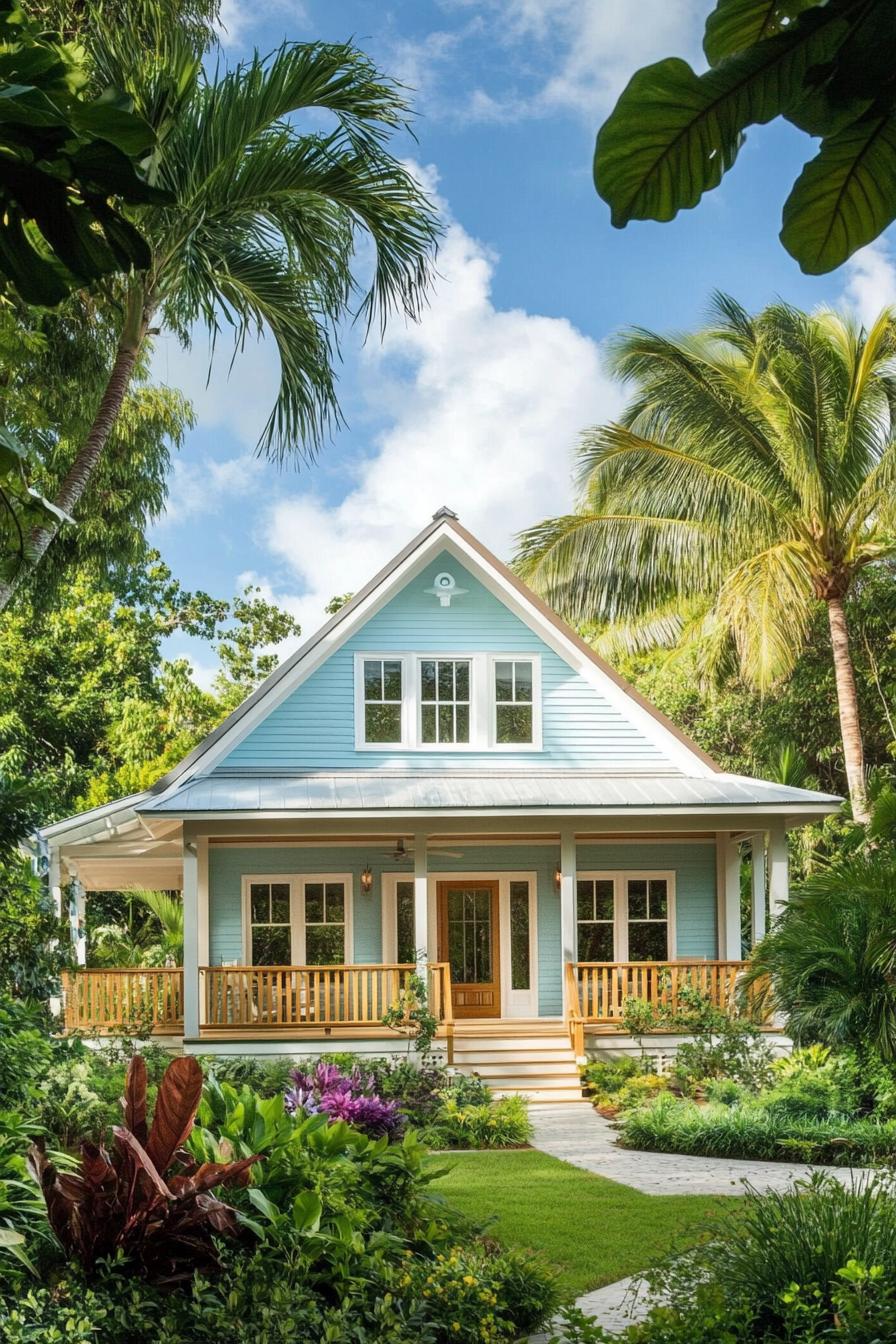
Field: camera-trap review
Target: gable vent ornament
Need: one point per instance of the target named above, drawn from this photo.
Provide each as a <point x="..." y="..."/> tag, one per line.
<point x="444" y="587"/>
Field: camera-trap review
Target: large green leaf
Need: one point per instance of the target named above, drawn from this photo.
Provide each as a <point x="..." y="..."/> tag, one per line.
<point x="844" y="197"/>
<point x="735" y="25"/>
<point x="673" y="133"/>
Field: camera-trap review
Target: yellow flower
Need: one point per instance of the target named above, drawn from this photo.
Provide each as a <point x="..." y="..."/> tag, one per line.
<point x="468" y="1278"/>
<point x="455" y="1325"/>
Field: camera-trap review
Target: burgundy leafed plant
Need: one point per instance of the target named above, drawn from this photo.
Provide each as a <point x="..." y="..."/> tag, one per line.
<point x="147" y="1197"/>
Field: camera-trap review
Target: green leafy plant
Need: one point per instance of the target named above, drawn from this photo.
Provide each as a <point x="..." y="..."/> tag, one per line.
<point x="25" y="1050"/>
<point x="503" y="1123"/>
<point x="69" y="162"/>
<point x="410" y="1015"/>
<point x="143" y="1199"/>
<point x="704" y="522"/>
<point x="822" y="65"/>
<point x="829" y="963"/>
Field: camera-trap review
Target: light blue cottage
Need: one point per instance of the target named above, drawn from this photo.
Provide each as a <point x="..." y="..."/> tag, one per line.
<point x="444" y="777"/>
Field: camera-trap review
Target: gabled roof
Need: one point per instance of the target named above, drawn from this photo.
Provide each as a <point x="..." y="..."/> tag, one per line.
<point x="445" y="530"/>
<point x="189" y="787"/>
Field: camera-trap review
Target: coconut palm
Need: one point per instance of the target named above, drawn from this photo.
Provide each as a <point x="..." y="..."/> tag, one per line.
<point x="264" y="223"/>
<point x="752" y="476"/>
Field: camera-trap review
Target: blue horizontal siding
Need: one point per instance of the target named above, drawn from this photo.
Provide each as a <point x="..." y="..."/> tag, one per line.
<point x="692" y="862"/>
<point x="314" y="728"/>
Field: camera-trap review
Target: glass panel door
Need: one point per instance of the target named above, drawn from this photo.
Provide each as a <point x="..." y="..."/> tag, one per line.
<point x="468" y="941"/>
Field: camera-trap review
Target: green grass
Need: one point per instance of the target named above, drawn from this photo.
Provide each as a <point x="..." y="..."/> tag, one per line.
<point x="591" y="1230"/>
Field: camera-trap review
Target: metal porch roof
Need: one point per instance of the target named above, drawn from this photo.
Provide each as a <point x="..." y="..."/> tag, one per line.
<point x="388" y="790"/>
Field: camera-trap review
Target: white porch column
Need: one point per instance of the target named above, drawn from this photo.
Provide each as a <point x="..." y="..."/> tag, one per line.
<point x="728" y="882"/>
<point x="191" y="937"/>
<point x="778" y="871"/>
<point x="568" y="940"/>
<point x="757" y="883"/>
<point x="203" y="894"/>
<point x="77" y="915"/>
<point x="421" y="902"/>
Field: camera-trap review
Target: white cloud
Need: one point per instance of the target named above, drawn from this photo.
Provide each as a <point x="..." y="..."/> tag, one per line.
<point x="484" y="408"/>
<point x="570" y="56"/>
<point x="207" y="486"/>
<point x="871" y="280"/>
<point x="238" y="18"/>
<point x="237" y="396"/>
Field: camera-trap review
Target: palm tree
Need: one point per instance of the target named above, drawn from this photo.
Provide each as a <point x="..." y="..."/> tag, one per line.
<point x="264" y="221"/>
<point x="156" y="939"/>
<point x="830" y="959"/>
<point x="752" y="476"/>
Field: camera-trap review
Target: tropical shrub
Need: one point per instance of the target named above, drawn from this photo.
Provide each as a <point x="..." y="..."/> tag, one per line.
<point x="753" y="1130"/>
<point x="25" y="1050"/>
<point x="619" y="1084"/>
<point x="340" y="1096"/>
<point x="128" y="1201"/>
<point x="503" y="1123"/>
<point x="477" y="1292"/>
<point x="830" y="959"/>
<point x="813" y="1264"/>
<point x="22" y="1213"/>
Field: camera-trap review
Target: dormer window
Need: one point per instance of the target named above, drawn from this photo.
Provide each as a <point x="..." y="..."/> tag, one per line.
<point x="419" y="702"/>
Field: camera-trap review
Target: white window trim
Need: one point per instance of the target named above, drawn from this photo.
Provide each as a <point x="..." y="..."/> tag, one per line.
<point x="297" y="883"/>
<point x="477" y="740"/>
<point x="374" y="655"/>
<point x="483" y="707"/>
<point x="535" y="660"/>
<point x="620" y="877"/>
<point x="389" y="912"/>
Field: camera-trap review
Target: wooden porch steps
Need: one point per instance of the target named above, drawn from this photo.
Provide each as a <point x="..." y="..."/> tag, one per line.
<point x="531" y="1058"/>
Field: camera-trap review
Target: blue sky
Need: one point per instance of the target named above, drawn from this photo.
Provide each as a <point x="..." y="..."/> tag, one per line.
<point x="478" y="406"/>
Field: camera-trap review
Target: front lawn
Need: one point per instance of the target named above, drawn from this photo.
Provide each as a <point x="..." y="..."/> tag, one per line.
<point x="593" y="1231"/>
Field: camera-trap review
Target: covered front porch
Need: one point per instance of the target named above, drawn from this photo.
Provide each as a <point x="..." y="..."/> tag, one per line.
<point x="301" y="935"/>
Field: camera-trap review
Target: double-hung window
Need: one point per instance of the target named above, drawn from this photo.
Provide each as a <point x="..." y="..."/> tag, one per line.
<point x="383" y="700"/>
<point x="270" y="923"/>
<point x="466" y="702"/>
<point x="445" y="701"/>
<point x="514" y="701"/>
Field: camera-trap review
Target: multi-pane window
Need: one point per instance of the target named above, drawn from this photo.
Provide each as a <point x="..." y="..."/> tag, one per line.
<point x="648" y="918"/>
<point x="270" y="924"/>
<point x="514" y="706"/>
<point x="382" y="700"/>
<point x="520" y="971"/>
<point x="324" y="923"/>
<point x="445" y="700"/>
<point x="595" y="912"/>
<point x="405" y="946"/>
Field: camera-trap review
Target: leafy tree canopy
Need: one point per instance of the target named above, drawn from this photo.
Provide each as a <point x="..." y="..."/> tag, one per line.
<point x="90" y="708"/>
<point x="67" y="164"/>
<point x="826" y="66"/>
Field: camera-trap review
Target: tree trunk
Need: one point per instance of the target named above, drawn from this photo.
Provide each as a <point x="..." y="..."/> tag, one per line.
<point x="848" y="706"/>
<point x="84" y="465"/>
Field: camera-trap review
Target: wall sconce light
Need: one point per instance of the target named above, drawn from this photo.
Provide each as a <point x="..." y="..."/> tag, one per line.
<point x="557" y="877"/>
<point x="366" y="879"/>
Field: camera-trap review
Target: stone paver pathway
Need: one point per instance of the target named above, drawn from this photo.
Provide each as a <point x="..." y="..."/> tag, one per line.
<point x="577" y="1134"/>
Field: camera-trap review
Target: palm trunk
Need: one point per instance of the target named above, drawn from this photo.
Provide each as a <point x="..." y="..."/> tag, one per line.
<point x="80" y="472"/>
<point x="848" y="707"/>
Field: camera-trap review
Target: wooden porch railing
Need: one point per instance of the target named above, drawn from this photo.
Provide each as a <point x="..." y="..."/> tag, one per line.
<point x="312" y="996"/>
<point x="124" y="999"/>
<point x="596" y="991"/>
<point x="243" y="997"/>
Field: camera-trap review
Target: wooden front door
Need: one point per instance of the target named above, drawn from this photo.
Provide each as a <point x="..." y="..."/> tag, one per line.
<point x="469" y="942"/>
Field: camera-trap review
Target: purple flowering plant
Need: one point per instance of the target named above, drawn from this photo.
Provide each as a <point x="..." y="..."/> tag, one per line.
<point x="344" y="1096"/>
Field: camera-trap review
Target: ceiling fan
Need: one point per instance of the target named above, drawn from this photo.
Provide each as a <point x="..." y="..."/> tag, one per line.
<point x="402" y="851"/>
